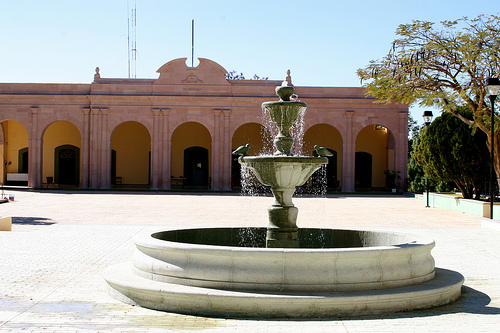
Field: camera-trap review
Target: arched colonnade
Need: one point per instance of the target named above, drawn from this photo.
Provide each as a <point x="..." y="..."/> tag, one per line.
<point x="165" y="149"/>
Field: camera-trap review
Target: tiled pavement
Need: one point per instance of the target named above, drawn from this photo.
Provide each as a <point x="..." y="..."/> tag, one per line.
<point x="52" y="260"/>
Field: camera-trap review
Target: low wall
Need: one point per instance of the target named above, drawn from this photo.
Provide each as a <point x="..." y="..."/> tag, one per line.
<point x="468" y="206"/>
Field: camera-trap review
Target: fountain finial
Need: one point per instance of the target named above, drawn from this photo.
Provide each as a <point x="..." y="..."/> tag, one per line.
<point x="286" y="90"/>
<point x="288" y="79"/>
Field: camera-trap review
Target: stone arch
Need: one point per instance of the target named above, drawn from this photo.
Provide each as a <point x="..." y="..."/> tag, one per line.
<point x="258" y="137"/>
<point x="14" y="142"/>
<point x="184" y="138"/>
<point x="325" y="135"/>
<point x="56" y="134"/>
<point x="376" y="141"/>
<point x="131" y="154"/>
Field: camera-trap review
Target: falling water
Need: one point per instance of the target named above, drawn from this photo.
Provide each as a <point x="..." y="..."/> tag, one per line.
<point x="250" y="185"/>
<point x="297" y="132"/>
<point x="268" y="132"/>
<point x="251" y="237"/>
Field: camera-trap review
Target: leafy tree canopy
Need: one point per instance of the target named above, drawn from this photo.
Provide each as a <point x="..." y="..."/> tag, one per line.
<point x="444" y="66"/>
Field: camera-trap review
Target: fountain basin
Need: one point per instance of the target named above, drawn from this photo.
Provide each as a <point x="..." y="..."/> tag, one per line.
<point x="349" y="260"/>
<point x="210" y="272"/>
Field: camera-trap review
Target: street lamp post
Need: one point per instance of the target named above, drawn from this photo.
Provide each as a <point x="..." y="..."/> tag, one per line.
<point x="493" y="87"/>
<point x="427" y="121"/>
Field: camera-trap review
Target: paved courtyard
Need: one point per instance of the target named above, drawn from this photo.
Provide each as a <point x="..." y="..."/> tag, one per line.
<point x="51" y="262"/>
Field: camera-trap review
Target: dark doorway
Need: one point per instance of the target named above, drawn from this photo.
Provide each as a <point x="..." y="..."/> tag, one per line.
<point x="363" y="170"/>
<point x="23" y="160"/>
<point x="113" y="167"/>
<point x="196" y="166"/>
<point x="235" y="171"/>
<point x="67" y="165"/>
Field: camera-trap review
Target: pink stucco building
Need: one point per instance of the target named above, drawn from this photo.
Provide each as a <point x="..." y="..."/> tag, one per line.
<point x="180" y="129"/>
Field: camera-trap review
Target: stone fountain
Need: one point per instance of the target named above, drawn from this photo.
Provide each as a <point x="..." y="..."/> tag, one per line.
<point x="286" y="271"/>
<point x="283" y="172"/>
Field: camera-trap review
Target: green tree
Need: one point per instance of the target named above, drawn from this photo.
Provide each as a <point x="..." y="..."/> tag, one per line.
<point x="416" y="180"/>
<point x="443" y="66"/>
<point x="449" y="151"/>
<point x="233" y="75"/>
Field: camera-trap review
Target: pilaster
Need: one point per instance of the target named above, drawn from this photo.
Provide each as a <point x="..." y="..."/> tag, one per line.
<point x="35" y="151"/>
<point x="217" y="169"/>
<point x="226" y="151"/>
<point x="94" y="148"/>
<point x="105" y="150"/>
<point x="348" y="160"/>
<point x="166" y="168"/>
<point x="155" y="150"/>
<point x="84" y="170"/>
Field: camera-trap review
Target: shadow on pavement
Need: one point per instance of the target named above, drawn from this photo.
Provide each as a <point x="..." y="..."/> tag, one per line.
<point x="31" y="220"/>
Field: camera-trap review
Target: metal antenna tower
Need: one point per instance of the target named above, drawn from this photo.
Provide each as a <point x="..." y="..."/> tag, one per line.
<point x="132" y="46"/>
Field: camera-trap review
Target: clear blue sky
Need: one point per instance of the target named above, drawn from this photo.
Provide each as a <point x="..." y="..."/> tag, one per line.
<point x="323" y="43"/>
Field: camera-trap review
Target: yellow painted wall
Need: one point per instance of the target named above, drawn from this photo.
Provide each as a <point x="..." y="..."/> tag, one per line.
<point x="132" y="143"/>
<point x="325" y="136"/>
<point x="57" y="134"/>
<point x="187" y="135"/>
<point x="249" y="133"/>
<point x="15" y="138"/>
<point x="375" y="142"/>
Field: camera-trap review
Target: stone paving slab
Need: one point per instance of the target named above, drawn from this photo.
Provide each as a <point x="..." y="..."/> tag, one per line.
<point x="51" y="262"/>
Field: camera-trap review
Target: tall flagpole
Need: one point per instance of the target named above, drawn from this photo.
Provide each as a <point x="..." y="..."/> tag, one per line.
<point x="192" y="43"/>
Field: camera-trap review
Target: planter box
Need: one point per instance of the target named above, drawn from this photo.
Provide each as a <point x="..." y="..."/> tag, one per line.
<point x="468" y="206"/>
<point x="6" y="223"/>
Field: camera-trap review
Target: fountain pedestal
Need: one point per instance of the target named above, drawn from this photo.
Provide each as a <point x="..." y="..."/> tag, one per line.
<point x="282" y="230"/>
<point x="283" y="174"/>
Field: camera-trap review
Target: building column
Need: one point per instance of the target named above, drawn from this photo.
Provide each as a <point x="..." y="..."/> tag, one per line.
<point x="155" y="150"/>
<point x="84" y="168"/>
<point x="401" y="152"/>
<point x="105" y="150"/>
<point x="94" y="148"/>
<point x="349" y="152"/>
<point x="166" y="168"/>
<point x="226" y="152"/>
<point x="216" y="152"/>
<point x="35" y="160"/>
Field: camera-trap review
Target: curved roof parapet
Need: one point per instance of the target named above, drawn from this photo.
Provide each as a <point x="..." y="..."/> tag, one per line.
<point x="177" y="72"/>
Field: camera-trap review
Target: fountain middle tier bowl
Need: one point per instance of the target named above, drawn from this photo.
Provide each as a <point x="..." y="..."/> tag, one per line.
<point x="283" y="171"/>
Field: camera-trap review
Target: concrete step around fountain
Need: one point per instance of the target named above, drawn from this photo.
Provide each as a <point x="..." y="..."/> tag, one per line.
<point x="127" y="287"/>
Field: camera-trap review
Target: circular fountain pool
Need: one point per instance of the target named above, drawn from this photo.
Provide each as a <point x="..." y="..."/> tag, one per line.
<point x="227" y="272"/>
